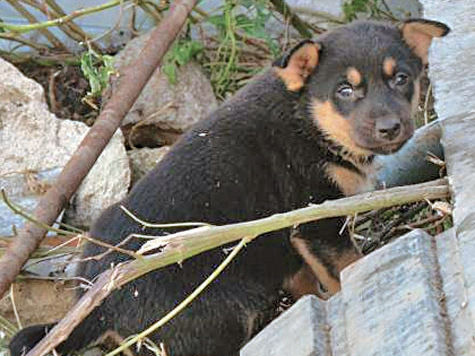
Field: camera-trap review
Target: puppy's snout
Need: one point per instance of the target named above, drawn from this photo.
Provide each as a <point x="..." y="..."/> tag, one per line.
<point x="388" y="128"/>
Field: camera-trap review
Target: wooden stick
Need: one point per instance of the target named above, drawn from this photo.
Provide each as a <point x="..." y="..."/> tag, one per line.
<point x="186" y="244"/>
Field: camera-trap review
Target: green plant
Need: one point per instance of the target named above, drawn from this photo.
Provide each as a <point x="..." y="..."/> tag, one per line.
<point x="181" y="53"/>
<point x="240" y="22"/>
<point x="97" y="68"/>
<point x="254" y="25"/>
<point x="7" y="330"/>
<point x="376" y="9"/>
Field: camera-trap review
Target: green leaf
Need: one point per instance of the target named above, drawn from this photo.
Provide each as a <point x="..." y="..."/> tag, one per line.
<point x="97" y="69"/>
<point x="180" y="54"/>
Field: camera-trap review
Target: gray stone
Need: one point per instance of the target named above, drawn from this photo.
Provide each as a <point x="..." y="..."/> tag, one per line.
<point x="24" y="189"/>
<point x="403" y="9"/>
<point x="452" y="57"/>
<point x="143" y="160"/>
<point x="170" y="107"/>
<point x="33" y="140"/>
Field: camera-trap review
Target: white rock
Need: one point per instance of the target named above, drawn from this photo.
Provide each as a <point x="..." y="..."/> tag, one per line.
<point x="33" y="139"/>
<point x="143" y="160"/>
<point x="169" y="106"/>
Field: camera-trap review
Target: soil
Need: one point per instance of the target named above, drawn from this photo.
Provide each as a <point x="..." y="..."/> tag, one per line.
<point x="38" y="301"/>
<point x="65" y="87"/>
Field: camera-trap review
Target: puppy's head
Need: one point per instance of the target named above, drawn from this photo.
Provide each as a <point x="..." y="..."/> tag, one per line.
<point x="361" y="81"/>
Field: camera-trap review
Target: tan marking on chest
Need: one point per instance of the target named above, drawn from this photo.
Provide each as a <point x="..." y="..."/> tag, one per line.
<point x="349" y="181"/>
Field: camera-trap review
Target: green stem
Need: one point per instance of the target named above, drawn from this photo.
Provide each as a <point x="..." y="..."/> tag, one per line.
<point x="28" y="217"/>
<point x="59" y="20"/>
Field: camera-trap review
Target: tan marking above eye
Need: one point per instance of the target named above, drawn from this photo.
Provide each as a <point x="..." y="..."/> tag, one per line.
<point x="336" y="127"/>
<point x="389" y="66"/>
<point x="354" y="76"/>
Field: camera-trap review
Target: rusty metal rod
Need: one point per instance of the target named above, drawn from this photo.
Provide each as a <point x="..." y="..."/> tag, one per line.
<point x="132" y="80"/>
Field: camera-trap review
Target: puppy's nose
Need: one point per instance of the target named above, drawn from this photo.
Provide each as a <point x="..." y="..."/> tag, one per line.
<point x="388" y="129"/>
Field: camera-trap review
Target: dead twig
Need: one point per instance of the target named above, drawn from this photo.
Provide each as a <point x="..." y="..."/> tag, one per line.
<point x="301" y="26"/>
<point x="133" y="79"/>
<point x="33" y="22"/>
<point x="110" y="248"/>
<point x="186" y="244"/>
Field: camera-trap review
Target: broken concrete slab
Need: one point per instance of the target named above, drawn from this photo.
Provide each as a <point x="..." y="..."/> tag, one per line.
<point x="33" y="141"/>
<point x="143" y="160"/>
<point x="166" y="108"/>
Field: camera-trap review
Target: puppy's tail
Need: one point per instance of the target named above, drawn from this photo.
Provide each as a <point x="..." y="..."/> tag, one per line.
<point x="28" y="337"/>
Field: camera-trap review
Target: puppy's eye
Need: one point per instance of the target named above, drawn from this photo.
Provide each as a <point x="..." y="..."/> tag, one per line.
<point x="345" y="91"/>
<point x="401" y="79"/>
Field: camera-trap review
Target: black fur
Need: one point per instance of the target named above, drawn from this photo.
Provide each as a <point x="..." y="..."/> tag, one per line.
<point x="259" y="154"/>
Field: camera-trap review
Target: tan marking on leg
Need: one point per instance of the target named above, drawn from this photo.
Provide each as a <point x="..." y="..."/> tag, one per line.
<point x="251" y="321"/>
<point x="348" y="181"/>
<point x="318" y="268"/>
<point x="389" y="66"/>
<point x="116" y="339"/>
<point x="335" y="126"/>
<point x="301" y="283"/>
<point x="347" y="258"/>
<point x="300" y="66"/>
<point x="354" y="76"/>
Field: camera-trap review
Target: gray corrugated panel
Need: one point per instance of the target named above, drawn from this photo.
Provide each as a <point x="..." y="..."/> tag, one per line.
<point x="336" y="318"/>
<point x="408" y="298"/>
<point x="391" y="300"/>
<point x="451" y="70"/>
<point x="300" y="331"/>
<point x="452" y="58"/>
<point x="455" y="294"/>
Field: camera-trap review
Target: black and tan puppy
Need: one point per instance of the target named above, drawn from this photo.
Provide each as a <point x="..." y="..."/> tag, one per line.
<point x="303" y="132"/>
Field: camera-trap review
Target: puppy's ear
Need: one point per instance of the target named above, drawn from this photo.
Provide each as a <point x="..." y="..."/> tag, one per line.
<point x="418" y="34"/>
<point x="296" y="65"/>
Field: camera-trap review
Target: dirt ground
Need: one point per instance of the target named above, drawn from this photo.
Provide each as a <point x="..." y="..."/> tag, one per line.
<point x="38" y="301"/>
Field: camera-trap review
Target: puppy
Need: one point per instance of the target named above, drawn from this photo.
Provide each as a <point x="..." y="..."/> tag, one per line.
<point x="303" y="132"/>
